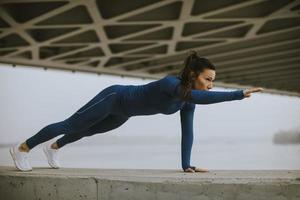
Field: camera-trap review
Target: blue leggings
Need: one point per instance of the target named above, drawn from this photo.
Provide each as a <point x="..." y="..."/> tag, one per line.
<point x="99" y="115"/>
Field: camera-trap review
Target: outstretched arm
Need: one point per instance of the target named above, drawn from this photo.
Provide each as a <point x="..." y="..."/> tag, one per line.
<point x="209" y="97"/>
<point x="186" y="117"/>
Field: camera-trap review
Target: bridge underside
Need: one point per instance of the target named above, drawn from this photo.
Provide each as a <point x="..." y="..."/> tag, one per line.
<point x="252" y="43"/>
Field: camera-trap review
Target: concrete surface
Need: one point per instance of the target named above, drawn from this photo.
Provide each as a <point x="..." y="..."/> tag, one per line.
<point x="116" y="184"/>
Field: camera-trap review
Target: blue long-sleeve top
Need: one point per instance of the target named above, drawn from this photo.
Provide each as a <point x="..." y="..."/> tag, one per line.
<point x="163" y="96"/>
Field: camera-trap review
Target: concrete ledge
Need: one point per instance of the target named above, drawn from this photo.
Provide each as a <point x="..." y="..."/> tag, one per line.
<point x="116" y="184"/>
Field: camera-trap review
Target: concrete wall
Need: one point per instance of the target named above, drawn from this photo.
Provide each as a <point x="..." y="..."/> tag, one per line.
<point x="104" y="184"/>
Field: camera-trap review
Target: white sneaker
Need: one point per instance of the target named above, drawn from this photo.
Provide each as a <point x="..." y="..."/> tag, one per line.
<point x="52" y="156"/>
<point x="20" y="158"/>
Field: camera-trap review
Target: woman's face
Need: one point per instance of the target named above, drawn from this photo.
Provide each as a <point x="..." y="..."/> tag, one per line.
<point x="205" y="80"/>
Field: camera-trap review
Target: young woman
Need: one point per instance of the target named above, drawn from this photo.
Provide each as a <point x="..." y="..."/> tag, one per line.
<point x="114" y="105"/>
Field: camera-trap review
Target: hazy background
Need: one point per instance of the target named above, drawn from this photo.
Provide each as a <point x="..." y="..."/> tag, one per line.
<point x="228" y="135"/>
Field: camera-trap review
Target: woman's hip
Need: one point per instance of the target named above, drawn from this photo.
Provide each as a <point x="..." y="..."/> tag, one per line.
<point x="108" y="96"/>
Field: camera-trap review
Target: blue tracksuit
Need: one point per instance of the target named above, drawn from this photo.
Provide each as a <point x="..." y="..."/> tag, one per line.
<point x="114" y="105"/>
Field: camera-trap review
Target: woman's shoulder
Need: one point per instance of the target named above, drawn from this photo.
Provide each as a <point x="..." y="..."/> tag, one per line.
<point x="171" y="78"/>
<point x="169" y="83"/>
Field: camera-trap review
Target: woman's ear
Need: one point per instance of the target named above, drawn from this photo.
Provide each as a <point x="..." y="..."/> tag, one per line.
<point x="193" y="75"/>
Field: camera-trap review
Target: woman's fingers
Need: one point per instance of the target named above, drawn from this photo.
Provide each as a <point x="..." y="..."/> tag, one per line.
<point x="259" y="89"/>
<point x="201" y="170"/>
<point x="247" y="92"/>
<point x="190" y="170"/>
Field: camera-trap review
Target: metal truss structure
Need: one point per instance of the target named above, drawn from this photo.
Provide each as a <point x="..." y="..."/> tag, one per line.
<point x="252" y="43"/>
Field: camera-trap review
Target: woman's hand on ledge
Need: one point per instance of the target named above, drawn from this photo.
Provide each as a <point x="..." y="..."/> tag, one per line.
<point x="195" y="169"/>
<point x="247" y="92"/>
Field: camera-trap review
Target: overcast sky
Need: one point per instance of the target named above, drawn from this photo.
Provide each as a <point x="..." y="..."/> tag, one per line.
<point x="32" y="98"/>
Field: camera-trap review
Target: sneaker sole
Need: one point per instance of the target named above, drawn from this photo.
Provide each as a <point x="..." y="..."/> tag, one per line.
<point x="47" y="155"/>
<point x="11" y="151"/>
